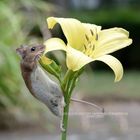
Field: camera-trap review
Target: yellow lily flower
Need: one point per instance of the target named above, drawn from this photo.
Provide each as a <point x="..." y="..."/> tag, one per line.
<point x="87" y="43"/>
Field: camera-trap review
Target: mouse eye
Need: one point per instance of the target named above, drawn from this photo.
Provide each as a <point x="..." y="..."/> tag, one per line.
<point x="33" y="49"/>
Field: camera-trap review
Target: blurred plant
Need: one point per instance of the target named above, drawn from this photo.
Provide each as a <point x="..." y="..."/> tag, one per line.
<point x="19" y="20"/>
<point x="85" y="43"/>
<point x="123" y="15"/>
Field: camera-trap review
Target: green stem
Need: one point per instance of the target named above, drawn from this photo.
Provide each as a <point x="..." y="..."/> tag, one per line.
<point x="66" y="81"/>
<point x="67" y="94"/>
<point x="67" y="87"/>
<point x="65" y="120"/>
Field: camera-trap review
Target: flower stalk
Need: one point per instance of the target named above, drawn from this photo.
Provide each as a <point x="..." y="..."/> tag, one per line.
<point x="67" y="90"/>
<point x="67" y="86"/>
<point x="65" y="119"/>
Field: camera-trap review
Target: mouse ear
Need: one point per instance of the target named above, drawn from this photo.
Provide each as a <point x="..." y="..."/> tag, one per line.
<point x="21" y="51"/>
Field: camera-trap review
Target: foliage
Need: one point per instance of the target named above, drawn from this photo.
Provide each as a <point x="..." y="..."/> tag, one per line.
<point x="19" y="21"/>
<point x="106" y="16"/>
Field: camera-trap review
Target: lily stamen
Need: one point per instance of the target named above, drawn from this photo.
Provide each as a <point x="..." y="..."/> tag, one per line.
<point x="93" y="47"/>
<point x="92" y="33"/>
<point x="85" y="47"/>
<point x="96" y="37"/>
<point x="87" y="38"/>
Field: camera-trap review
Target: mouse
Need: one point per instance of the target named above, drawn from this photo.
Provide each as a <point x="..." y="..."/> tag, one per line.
<point x="37" y="81"/>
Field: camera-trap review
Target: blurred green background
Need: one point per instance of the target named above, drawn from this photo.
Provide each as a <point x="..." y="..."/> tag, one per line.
<point x="24" y="22"/>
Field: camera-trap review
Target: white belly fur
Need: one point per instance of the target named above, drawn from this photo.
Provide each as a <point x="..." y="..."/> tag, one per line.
<point x="42" y="86"/>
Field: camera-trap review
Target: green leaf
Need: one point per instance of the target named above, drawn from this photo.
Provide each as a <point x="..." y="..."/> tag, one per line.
<point x="52" y="68"/>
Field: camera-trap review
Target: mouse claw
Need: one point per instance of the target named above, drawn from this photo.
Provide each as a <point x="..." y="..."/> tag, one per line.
<point x="62" y="128"/>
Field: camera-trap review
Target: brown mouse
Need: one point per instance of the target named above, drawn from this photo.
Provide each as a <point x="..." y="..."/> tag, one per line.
<point x="37" y="81"/>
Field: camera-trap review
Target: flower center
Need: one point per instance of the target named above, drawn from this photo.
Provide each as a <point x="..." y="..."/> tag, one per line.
<point x="91" y="41"/>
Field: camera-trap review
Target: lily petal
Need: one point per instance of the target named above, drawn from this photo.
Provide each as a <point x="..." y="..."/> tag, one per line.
<point x="72" y="29"/>
<point x="114" y="64"/>
<point x="75" y="59"/>
<point x="54" y="44"/>
<point x="111" y="40"/>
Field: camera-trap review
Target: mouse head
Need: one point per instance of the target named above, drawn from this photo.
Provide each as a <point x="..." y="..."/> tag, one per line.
<point x="30" y="53"/>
